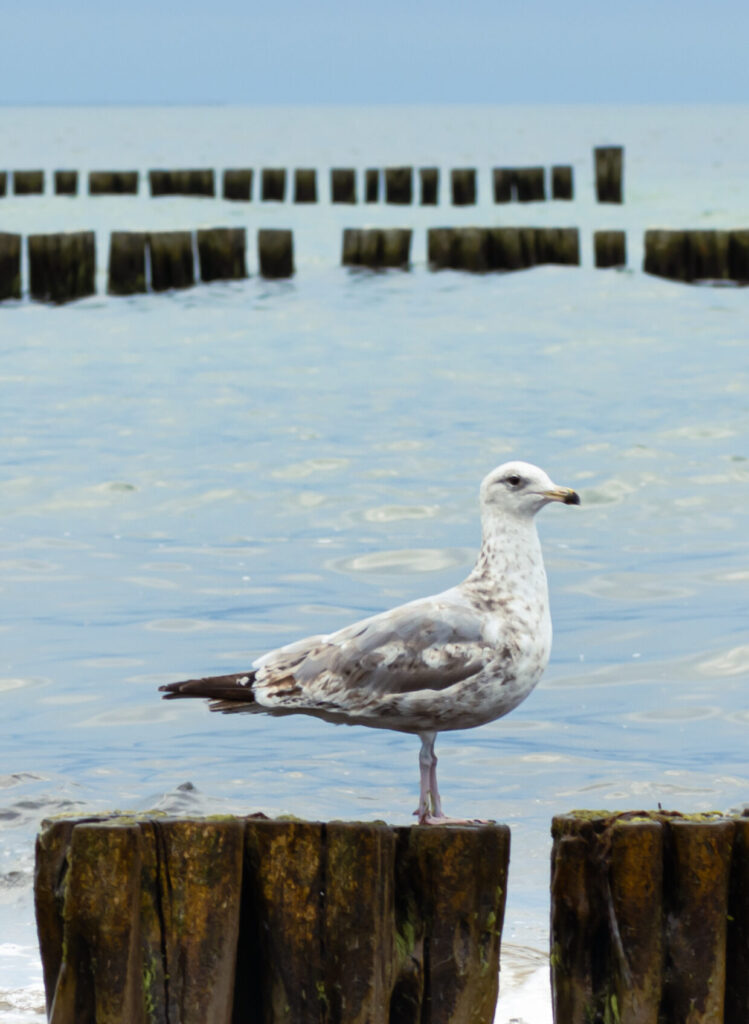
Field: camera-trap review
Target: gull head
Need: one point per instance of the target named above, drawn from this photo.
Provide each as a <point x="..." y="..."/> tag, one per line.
<point x="520" y="489"/>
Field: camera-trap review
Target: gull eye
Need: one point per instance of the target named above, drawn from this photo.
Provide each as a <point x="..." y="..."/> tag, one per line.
<point x="513" y="479"/>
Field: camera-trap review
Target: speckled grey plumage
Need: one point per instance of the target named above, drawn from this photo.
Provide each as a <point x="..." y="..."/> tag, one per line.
<point x="455" y="660"/>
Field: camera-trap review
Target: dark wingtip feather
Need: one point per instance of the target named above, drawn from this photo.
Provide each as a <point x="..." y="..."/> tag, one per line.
<point x="235" y="687"/>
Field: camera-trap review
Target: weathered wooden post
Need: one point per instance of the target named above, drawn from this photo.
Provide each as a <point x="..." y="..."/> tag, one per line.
<point x="127" y="263"/>
<point x="376" y="248"/>
<point x="737" y="938"/>
<point x="463" y="180"/>
<point x="399" y="185"/>
<point x="708" y="255"/>
<point x="62" y="267"/>
<point x="430" y="184"/>
<point x="273" y="184"/>
<point x="504" y="181"/>
<point x="275" y="250"/>
<point x="609" y="162"/>
<point x="197" y="182"/>
<point x="372" y="185"/>
<point x="10" y="266"/>
<point x="530" y="184"/>
<point x="342" y="185"/>
<point x="471" y="249"/>
<point x="640" y="904"/>
<point x="158" y="182"/>
<point x="667" y="254"/>
<point x="738" y="256"/>
<point x="561" y="182"/>
<point x="172" y="260"/>
<point x="3" y="183"/>
<point x="149" y="919"/>
<point x="27" y="183"/>
<point x="558" y="245"/>
<point x="66" y="183"/>
<point x="511" y="248"/>
<point x="237" y="183"/>
<point x="221" y="254"/>
<point x="305" y="185"/>
<point x="610" y="248"/>
<point x="441" y="248"/>
<point x="102" y="183"/>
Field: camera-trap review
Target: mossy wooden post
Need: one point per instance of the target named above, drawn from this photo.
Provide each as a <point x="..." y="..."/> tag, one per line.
<point x="102" y="183"/>
<point x="172" y="260"/>
<point x="441" y="248"/>
<point x="127" y="263"/>
<point x="504" y="183"/>
<point x="26" y="183"/>
<point x="10" y="266"/>
<point x="342" y="185"/>
<point x="399" y="185"/>
<point x="606" y="910"/>
<point x="221" y="254"/>
<point x="738" y="256"/>
<point x="667" y="254"/>
<point x="511" y="248"/>
<point x="430" y="185"/>
<point x="372" y="185"/>
<point x="455" y="881"/>
<point x="562" y="186"/>
<point x="463" y="181"/>
<point x="609" y="161"/>
<point x="695" y="905"/>
<point x="273" y="184"/>
<point x="305" y="185"/>
<point x="66" y="183"/>
<point x="610" y="248"/>
<point x="530" y="184"/>
<point x="237" y="184"/>
<point x="275" y="253"/>
<point x="62" y="267"/>
<point x="737" y="939"/>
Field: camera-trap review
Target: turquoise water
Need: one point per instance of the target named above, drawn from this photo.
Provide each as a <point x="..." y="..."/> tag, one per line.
<point x="189" y="479"/>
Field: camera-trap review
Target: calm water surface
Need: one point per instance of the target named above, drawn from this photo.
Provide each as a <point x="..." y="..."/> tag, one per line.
<point x="188" y="479"/>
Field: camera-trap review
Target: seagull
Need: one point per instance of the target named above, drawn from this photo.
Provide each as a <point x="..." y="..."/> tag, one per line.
<point x="458" y="659"/>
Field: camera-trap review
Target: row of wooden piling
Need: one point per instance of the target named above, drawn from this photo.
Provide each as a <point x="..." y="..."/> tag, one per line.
<point x="650" y="918"/>
<point x="152" y="920"/>
<point x="706" y="255"/>
<point x="521" y="184"/>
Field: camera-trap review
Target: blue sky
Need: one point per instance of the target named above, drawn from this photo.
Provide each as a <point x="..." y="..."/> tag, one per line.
<point x="391" y="51"/>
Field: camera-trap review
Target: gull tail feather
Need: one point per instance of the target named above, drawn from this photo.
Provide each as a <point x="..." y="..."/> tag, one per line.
<point x="226" y="693"/>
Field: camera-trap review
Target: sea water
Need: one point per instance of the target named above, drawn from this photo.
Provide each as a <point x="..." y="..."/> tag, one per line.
<point x="189" y="479"/>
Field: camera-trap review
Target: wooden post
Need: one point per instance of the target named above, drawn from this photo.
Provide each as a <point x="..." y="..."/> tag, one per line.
<point x="399" y="185"/>
<point x="221" y="253"/>
<point x="376" y="248"/>
<point x="10" y="266"/>
<point x="529" y="182"/>
<point x="558" y="245"/>
<point x="127" y="263"/>
<point x="430" y="185"/>
<point x="708" y="255"/>
<point x="737" y="938"/>
<point x="608" y="165"/>
<point x="640" y="902"/>
<point x="28" y="183"/>
<point x="610" y="248"/>
<point x="148" y="919"/>
<point x="66" y="183"/>
<point x="561" y="182"/>
<point x="372" y="185"/>
<point x="305" y="185"/>
<point x="504" y="183"/>
<point x="342" y="185"/>
<point x="273" y="184"/>
<point x="237" y="183"/>
<point x="275" y="253"/>
<point x="195" y="182"/>
<point x="667" y="254"/>
<point x="172" y="260"/>
<point x="511" y="248"/>
<point x="441" y="248"/>
<point x="3" y="183"/>
<point x="471" y="249"/>
<point x="738" y="256"/>
<point x="158" y="182"/>
<point x="62" y="267"/>
<point x="463" y="186"/>
<point x="113" y="183"/>
<point x="396" y="247"/>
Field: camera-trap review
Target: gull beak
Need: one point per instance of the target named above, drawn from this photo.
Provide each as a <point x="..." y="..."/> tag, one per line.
<point x="564" y="494"/>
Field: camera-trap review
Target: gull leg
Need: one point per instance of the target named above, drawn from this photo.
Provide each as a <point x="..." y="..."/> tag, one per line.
<point x="430" y="804"/>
